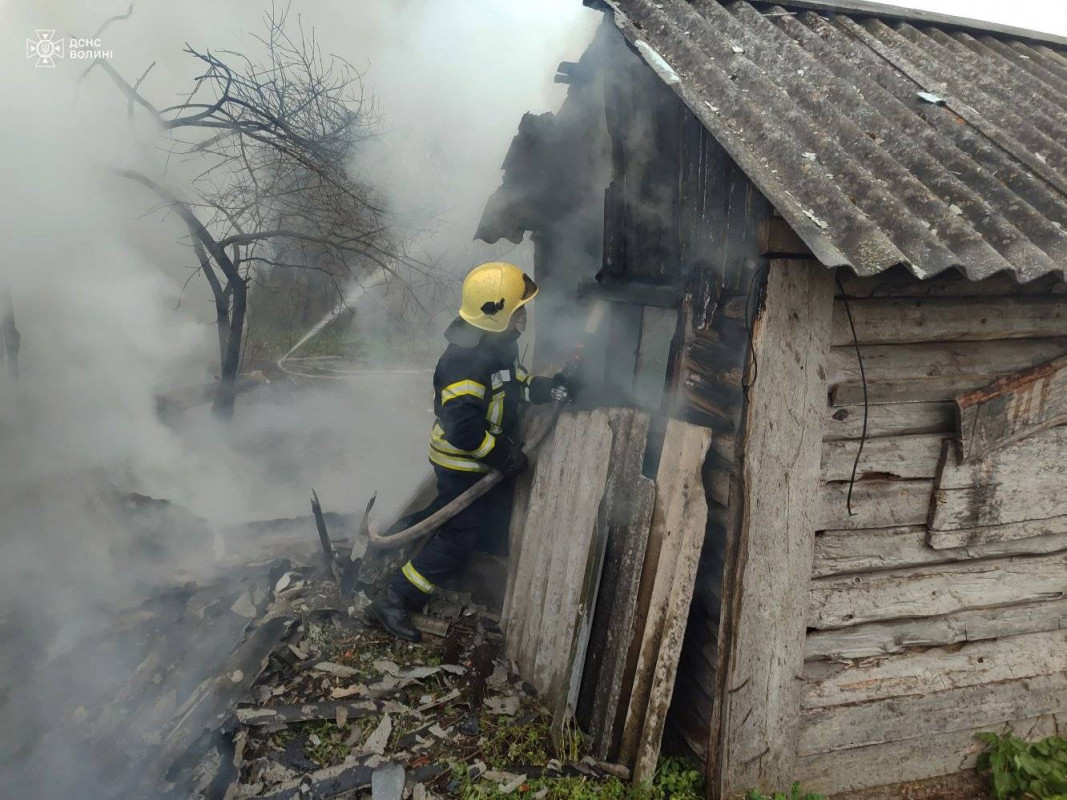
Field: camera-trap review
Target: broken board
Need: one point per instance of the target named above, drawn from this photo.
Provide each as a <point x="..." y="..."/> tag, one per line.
<point x="558" y="563"/>
<point x="627" y="511"/>
<point x="1012" y="408"/>
<point x="679" y="521"/>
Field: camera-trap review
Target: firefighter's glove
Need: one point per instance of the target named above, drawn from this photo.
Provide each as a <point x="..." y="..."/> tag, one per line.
<point x="507" y="458"/>
<point x="564" y="387"/>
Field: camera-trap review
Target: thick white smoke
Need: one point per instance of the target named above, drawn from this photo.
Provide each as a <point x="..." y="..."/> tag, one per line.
<point x="97" y="274"/>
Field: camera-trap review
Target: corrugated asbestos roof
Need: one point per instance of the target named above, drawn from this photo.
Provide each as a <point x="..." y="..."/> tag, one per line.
<point x="881" y="142"/>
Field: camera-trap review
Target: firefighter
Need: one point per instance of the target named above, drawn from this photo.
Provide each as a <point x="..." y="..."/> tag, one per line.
<point x="480" y="390"/>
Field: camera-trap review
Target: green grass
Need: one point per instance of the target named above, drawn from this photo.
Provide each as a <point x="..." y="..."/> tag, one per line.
<point x="675" y="778"/>
<point x="331" y="748"/>
<point x="678" y="778"/>
<point x="505" y="744"/>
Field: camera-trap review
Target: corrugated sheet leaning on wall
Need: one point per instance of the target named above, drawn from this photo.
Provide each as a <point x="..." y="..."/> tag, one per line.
<point x="881" y="144"/>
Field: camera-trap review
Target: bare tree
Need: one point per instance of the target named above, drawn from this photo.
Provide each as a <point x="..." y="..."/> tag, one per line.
<point x="269" y="140"/>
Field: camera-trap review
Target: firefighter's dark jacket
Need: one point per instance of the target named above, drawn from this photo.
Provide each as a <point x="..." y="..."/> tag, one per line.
<point x="480" y="389"/>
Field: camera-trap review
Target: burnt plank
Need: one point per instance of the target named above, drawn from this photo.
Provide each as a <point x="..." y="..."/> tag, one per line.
<point x="678" y="526"/>
<point x="627" y="512"/>
<point x="1012" y="408"/>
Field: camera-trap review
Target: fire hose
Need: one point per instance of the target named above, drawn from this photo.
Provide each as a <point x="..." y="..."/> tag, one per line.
<point x="441" y="516"/>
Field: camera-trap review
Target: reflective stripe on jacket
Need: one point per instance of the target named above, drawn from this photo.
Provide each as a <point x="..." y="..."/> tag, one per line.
<point x="480" y="390"/>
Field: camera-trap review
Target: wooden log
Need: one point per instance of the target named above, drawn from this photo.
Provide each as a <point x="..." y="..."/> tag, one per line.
<point x="990" y="537"/>
<point x="1019" y="483"/>
<point x="842" y="551"/>
<point x="899" y="282"/>
<point x="930" y="372"/>
<point x="838" y="728"/>
<point x="895" y="762"/>
<point x="947" y="359"/>
<point x="1012" y="408"/>
<point x="776" y="238"/>
<point x="906" y="390"/>
<point x="1033" y="536"/>
<point x="894" y="456"/>
<point x="754" y="733"/>
<point x="830" y="683"/>
<point x="844" y="600"/>
<point x="884" y="638"/>
<point x="875" y="504"/>
<point x="955" y="319"/>
<point x="679" y="521"/>
<point x="890" y="419"/>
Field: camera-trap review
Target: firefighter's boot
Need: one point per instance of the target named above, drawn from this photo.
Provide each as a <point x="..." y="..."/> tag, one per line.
<point x="389" y="611"/>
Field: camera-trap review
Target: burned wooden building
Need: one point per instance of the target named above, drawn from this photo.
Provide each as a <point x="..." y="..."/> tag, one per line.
<point x="832" y="239"/>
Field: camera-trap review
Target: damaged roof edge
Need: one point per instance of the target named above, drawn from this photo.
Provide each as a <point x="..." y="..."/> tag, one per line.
<point x="806" y="228"/>
<point x="824" y="247"/>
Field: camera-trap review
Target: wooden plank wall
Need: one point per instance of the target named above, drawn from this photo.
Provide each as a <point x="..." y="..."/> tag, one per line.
<point x="916" y="642"/>
<point x="679" y="212"/>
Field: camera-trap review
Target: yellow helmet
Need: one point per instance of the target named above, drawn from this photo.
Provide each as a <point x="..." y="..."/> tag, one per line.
<point x="492" y="293"/>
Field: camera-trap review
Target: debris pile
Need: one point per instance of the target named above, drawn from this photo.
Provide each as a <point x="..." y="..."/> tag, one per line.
<point x="270" y="683"/>
<point x="344" y="707"/>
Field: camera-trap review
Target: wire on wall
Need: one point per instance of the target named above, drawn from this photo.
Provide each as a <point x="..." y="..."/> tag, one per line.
<point x="866" y="404"/>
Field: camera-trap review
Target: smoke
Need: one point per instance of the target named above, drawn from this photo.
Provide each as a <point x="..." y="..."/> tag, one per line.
<point x="110" y="319"/>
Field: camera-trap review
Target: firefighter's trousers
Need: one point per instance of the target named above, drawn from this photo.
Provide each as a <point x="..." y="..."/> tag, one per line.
<point x="447" y="552"/>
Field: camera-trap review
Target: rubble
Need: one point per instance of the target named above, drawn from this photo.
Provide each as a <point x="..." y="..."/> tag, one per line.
<point x="268" y="683"/>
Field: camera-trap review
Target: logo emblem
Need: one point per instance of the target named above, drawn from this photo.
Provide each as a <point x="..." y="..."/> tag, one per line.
<point x="45" y="48"/>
